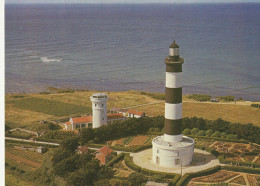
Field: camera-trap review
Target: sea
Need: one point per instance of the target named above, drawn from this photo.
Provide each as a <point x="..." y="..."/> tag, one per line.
<point x="119" y="47"/>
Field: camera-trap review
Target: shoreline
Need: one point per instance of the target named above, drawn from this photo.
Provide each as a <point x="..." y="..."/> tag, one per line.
<point x="51" y="89"/>
<point x="27" y="87"/>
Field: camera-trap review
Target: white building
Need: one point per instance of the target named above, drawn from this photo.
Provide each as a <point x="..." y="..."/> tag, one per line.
<point x="99" y="109"/>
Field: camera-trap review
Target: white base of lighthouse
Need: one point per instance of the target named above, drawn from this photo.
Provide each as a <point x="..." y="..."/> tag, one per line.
<point x="172" y="154"/>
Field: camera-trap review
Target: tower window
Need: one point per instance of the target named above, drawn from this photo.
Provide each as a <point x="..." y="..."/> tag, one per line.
<point x="103" y="118"/>
<point x="102" y="105"/>
<point x="157" y="150"/>
<point x="95" y="105"/>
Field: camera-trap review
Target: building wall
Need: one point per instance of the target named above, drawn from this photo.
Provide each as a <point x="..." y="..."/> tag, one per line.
<point x="99" y="113"/>
<point x="172" y="157"/>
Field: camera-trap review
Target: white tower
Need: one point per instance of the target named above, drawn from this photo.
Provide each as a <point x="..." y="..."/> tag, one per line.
<point x="99" y="109"/>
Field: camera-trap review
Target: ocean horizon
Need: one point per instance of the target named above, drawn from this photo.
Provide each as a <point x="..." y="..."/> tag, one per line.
<point x="115" y="47"/>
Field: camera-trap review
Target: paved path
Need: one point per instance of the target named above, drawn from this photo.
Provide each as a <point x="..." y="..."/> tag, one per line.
<point x="202" y="160"/>
<point x="48" y="143"/>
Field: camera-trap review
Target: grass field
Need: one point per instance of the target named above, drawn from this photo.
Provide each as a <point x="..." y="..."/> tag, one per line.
<point x="28" y="109"/>
<point x="51" y="107"/>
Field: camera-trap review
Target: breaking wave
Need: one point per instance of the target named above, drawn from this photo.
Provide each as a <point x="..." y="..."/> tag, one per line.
<point x="48" y="60"/>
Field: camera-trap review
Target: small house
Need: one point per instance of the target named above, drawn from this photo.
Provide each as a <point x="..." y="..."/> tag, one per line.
<point x="104" y="154"/>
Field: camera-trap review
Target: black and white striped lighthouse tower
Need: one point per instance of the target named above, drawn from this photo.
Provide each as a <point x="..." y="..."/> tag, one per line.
<point x="173" y="149"/>
<point x="173" y="95"/>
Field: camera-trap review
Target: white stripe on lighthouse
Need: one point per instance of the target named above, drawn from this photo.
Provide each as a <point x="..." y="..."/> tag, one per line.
<point x="173" y="111"/>
<point x="173" y="79"/>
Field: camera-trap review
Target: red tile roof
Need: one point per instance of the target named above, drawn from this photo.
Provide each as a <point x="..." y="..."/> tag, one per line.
<point x="115" y="116"/>
<point x="135" y="112"/>
<point x="105" y="150"/>
<point x="68" y="123"/>
<point x="84" y="119"/>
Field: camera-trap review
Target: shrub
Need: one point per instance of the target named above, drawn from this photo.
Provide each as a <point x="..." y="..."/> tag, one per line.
<point x="200" y="97"/>
<point x="209" y="132"/>
<point x="255" y="105"/>
<point x="194" y="131"/>
<point x="186" y="132"/>
<point x="231" y="136"/>
<point x="216" y="134"/>
<point x="227" y="98"/>
<point x="223" y="134"/>
<point x="136" y="179"/>
<point x="201" y="133"/>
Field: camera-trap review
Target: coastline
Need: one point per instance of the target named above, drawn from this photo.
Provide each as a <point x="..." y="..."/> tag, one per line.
<point x="17" y="86"/>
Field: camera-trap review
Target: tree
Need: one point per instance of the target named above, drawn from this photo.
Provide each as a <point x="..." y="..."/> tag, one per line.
<point x="220" y="125"/>
<point x="70" y="144"/>
<point x="65" y="166"/>
<point x="223" y="134"/>
<point x="186" y="132"/>
<point x="201" y="133"/>
<point x="209" y="132"/>
<point x="194" y="131"/>
<point x="86" y="134"/>
<point x="216" y="134"/>
<point x="231" y="136"/>
<point x="136" y="179"/>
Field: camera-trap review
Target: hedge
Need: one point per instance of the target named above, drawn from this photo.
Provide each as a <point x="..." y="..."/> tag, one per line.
<point x="232" y="162"/>
<point x="175" y="180"/>
<point x="188" y="176"/>
<point x="115" y="159"/>
<point x="242" y="169"/>
<point x="134" y="167"/>
<point x="130" y="163"/>
<point x="221" y="139"/>
<point x="152" y="172"/>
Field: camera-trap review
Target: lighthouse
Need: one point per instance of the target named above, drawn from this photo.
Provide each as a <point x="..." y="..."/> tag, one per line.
<point x="99" y="109"/>
<point x="173" y="149"/>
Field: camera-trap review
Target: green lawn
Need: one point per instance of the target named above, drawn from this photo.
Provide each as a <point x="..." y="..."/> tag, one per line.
<point x="50" y="107"/>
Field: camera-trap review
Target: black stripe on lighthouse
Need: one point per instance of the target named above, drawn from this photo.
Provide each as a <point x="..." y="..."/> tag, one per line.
<point x="173" y="99"/>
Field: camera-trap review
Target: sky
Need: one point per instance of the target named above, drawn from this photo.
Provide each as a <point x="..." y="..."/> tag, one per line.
<point x="130" y="1"/>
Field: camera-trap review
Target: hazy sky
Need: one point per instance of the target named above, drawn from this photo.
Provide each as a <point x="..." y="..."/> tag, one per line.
<point x="129" y="1"/>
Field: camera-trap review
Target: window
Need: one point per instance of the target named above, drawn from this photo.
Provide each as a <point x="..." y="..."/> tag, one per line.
<point x="83" y="125"/>
<point x="89" y="125"/>
<point x="95" y="105"/>
<point x="102" y="105"/>
<point x="103" y="118"/>
<point x="157" y="150"/>
<point x="177" y="161"/>
<point x="77" y="126"/>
